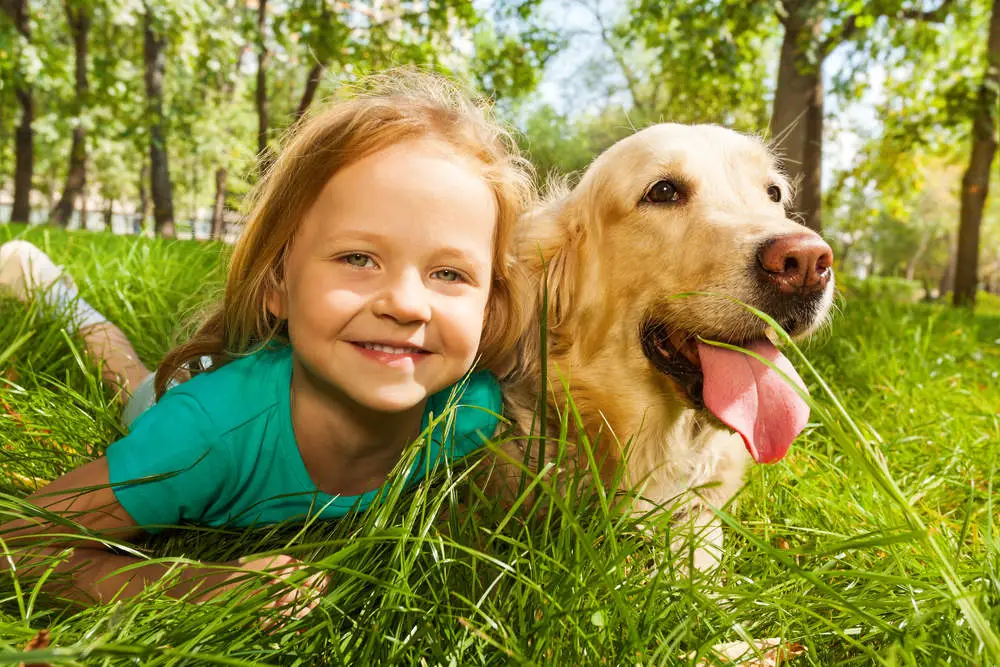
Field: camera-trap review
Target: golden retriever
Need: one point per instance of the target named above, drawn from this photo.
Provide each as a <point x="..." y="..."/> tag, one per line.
<point x="670" y="210"/>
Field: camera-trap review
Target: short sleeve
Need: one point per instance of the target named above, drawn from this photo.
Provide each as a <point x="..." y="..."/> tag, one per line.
<point x="480" y="411"/>
<point x="478" y="406"/>
<point x="171" y="467"/>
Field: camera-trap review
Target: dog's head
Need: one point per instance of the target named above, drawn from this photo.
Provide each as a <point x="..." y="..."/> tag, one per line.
<point x="669" y="211"/>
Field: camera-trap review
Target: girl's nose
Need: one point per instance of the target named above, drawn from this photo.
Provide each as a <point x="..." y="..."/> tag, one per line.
<point x="405" y="300"/>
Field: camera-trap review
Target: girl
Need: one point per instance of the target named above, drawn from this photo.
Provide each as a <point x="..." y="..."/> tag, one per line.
<point x="372" y="274"/>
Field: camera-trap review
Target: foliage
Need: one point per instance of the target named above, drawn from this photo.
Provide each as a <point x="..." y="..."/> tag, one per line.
<point x="897" y="206"/>
<point x="881" y="288"/>
<point x="559" y="145"/>
<point x="210" y="78"/>
<point x="705" y="60"/>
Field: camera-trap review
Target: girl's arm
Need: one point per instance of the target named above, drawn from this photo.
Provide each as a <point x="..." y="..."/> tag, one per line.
<point x="92" y="572"/>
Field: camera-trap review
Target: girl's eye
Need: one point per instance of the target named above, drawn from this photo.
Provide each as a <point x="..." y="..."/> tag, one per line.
<point x="359" y="260"/>
<point x="448" y="275"/>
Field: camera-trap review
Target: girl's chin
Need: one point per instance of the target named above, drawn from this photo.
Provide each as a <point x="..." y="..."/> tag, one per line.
<point x="396" y="399"/>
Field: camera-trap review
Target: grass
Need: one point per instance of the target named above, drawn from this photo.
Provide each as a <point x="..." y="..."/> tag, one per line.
<point x="874" y="542"/>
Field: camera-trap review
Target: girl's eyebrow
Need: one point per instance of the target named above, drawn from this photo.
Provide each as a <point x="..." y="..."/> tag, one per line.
<point x="355" y="235"/>
<point x="461" y="256"/>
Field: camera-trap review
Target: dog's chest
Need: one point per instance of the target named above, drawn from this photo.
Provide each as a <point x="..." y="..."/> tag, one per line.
<point x="684" y="454"/>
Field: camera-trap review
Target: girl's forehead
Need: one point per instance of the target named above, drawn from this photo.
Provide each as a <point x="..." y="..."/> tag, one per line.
<point x="425" y="171"/>
<point x="412" y="192"/>
<point x="414" y="149"/>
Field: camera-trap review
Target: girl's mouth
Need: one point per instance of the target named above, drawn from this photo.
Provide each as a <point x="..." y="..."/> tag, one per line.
<point x="389" y="353"/>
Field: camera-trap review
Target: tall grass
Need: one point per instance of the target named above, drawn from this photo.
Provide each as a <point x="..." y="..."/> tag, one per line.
<point x="873" y="542"/>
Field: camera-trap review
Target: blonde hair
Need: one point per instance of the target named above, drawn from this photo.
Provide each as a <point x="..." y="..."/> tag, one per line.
<point x="397" y="106"/>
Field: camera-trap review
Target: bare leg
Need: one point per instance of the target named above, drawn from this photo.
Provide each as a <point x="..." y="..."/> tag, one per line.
<point x="108" y="347"/>
<point x="26" y="273"/>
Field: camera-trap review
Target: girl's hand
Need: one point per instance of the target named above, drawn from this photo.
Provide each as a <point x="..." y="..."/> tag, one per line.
<point x="300" y="598"/>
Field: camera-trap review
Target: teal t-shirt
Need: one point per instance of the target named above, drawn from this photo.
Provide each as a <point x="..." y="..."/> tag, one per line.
<point x="222" y="451"/>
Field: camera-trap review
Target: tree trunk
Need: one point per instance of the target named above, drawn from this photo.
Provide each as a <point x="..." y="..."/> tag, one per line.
<point x="312" y="83"/>
<point x="159" y="174"/>
<point x="76" y="176"/>
<point x="76" y="179"/>
<point x="24" y="146"/>
<point x="84" y="210"/>
<point x="109" y="215"/>
<point x="976" y="181"/>
<point x="24" y="165"/>
<point x="797" y="116"/>
<point x="140" y="220"/>
<point x="218" y="213"/>
<point x="261" y="92"/>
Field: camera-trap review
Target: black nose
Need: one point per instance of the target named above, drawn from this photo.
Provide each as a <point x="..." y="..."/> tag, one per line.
<point x="796" y="263"/>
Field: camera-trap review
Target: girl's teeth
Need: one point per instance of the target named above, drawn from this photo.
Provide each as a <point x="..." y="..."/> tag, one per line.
<point x="386" y="348"/>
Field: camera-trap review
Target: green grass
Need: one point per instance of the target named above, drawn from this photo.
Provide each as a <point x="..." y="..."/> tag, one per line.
<point x="873" y="542"/>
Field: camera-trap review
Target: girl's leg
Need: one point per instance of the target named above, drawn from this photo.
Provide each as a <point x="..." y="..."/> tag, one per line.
<point x="120" y="365"/>
<point x="26" y="271"/>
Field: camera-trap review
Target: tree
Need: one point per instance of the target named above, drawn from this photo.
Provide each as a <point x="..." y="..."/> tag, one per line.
<point x="695" y="60"/>
<point x="813" y="29"/>
<point x="154" y="59"/>
<point x="165" y="88"/>
<point x="24" y="167"/>
<point x="263" y="53"/>
<point x="222" y="171"/>
<point x="710" y="52"/>
<point x="559" y="146"/>
<point x="79" y="18"/>
<point x="976" y="181"/>
<point x="338" y="42"/>
<point x="323" y="36"/>
<point x="926" y="110"/>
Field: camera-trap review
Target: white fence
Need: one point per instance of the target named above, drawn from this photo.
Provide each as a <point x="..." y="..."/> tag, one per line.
<point x="125" y="223"/>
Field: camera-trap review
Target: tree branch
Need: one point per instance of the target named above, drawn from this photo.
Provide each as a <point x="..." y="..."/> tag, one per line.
<point x="630" y="80"/>
<point x="784" y="10"/>
<point x="313" y="80"/>
<point x="931" y="16"/>
<point x="850" y="25"/>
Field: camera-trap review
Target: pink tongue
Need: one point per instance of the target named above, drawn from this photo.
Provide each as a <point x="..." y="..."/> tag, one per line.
<point x="753" y="399"/>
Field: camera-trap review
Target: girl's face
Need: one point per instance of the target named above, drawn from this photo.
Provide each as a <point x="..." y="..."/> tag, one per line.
<point x="386" y="281"/>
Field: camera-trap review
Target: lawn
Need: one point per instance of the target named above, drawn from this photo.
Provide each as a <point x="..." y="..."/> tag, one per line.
<point x="873" y="542"/>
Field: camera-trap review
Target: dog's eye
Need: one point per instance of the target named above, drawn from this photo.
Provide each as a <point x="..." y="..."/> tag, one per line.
<point x="663" y="192"/>
<point x="774" y="192"/>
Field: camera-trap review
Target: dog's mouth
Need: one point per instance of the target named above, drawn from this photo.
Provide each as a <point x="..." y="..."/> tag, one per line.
<point x="675" y="354"/>
<point x="756" y="399"/>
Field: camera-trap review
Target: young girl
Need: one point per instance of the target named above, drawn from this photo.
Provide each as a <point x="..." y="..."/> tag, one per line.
<point x="371" y="276"/>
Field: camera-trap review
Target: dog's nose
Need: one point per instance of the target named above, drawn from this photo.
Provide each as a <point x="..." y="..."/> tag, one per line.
<point x="797" y="262"/>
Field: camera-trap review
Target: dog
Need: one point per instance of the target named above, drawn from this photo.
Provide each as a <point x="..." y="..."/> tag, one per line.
<point x="651" y="254"/>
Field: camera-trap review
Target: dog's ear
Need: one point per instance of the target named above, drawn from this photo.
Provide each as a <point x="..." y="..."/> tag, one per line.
<point x="556" y="246"/>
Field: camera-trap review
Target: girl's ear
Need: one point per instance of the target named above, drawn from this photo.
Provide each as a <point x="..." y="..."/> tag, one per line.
<point x="277" y="301"/>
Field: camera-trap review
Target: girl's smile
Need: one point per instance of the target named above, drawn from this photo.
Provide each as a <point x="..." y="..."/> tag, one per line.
<point x="392" y="354"/>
